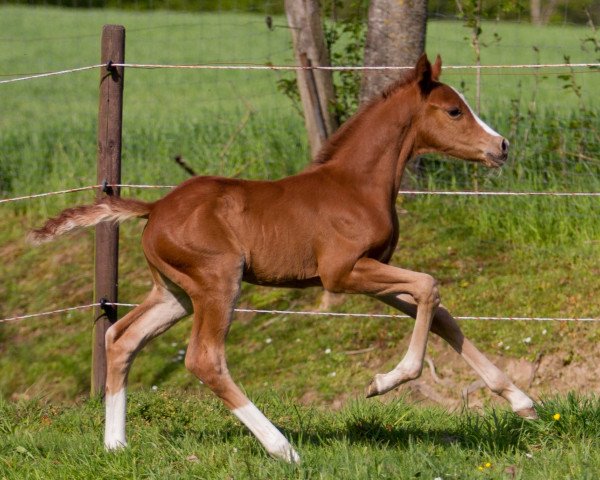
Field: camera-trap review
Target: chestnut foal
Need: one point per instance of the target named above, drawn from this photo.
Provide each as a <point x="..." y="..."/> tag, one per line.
<point x="333" y="225"/>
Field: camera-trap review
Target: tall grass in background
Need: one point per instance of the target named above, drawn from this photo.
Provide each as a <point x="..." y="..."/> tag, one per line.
<point x="240" y="124"/>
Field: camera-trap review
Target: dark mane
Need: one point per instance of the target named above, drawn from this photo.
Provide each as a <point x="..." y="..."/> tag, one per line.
<point x="333" y="143"/>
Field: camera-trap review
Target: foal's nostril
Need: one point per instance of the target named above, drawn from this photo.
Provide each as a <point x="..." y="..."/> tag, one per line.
<point x="505" y="146"/>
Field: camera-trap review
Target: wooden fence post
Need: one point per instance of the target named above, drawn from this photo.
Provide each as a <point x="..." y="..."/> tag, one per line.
<point x="316" y="86"/>
<point x="110" y="116"/>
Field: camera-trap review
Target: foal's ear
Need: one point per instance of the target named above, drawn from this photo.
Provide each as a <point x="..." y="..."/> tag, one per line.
<point x="436" y="69"/>
<point x="424" y="74"/>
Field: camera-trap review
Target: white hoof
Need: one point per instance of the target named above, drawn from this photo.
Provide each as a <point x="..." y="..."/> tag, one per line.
<point x="521" y="404"/>
<point x="266" y="433"/>
<point x="113" y="445"/>
<point x="285" y="452"/>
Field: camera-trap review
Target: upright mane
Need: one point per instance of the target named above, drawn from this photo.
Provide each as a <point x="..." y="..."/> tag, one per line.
<point x="334" y="142"/>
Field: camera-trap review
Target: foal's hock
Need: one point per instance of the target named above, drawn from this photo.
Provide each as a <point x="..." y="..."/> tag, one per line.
<point x="332" y="225"/>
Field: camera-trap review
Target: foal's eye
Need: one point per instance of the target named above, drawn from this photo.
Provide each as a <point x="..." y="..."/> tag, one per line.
<point x="455" y="112"/>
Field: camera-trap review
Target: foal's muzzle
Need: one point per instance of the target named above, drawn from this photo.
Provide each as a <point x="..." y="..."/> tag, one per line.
<point x="497" y="156"/>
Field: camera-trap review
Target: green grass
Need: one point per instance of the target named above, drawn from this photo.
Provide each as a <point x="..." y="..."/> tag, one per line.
<point x="493" y="256"/>
<point x="175" y="436"/>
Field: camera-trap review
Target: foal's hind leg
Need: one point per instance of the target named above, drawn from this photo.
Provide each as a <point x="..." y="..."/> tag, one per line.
<point x="447" y="328"/>
<point x="158" y="312"/>
<point x="205" y="358"/>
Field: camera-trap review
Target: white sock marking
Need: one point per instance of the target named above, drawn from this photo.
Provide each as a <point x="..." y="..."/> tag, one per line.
<point x="114" y="429"/>
<point x="271" y="438"/>
<point x="481" y="123"/>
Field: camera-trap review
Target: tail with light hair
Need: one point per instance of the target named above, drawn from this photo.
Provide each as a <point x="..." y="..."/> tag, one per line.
<point x="109" y="209"/>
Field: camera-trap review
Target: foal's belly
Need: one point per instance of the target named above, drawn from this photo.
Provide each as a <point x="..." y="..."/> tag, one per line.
<point x="284" y="283"/>
<point x="290" y="265"/>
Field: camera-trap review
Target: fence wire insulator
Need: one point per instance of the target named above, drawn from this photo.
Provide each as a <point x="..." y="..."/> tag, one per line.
<point x="104" y="304"/>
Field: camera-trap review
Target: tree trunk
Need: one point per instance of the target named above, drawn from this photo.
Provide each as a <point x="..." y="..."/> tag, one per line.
<point x="316" y="86"/>
<point x="539" y="15"/>
<point x="548" y="11"/>
<point x="535" y="7"/>
<point x="396" y="36"/>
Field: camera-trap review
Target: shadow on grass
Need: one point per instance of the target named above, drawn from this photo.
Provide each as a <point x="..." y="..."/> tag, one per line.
<point x="497" y="433"/>
<point x="400" y="425"/>
<point x="395" y="425"/>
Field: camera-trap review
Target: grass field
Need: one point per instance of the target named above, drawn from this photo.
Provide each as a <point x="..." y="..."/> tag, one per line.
<point x="174" y="436"/>
<point x="493" y="256"/>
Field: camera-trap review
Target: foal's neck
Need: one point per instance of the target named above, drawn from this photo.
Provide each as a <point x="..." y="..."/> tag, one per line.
<point x="372" y="153"/>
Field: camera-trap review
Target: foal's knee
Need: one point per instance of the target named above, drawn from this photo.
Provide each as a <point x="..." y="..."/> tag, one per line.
<point x="208" y="367"/>
<point x="121" y="349"/>
<point x="113" y="351"/>
<point x="427" y="291"/>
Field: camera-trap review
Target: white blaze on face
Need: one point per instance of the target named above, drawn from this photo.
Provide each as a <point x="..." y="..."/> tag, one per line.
<point x="481" y="123"/>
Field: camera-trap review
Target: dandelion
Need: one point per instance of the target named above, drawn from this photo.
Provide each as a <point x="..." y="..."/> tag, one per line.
<point x="556" y="416"/>
<point x="527" y="340"/>
<point x="480" y="468"/>
<point x="327" y="351"/>
<point x="154" y="388"/>
<point x="488" y="465"/>
<point x="544" y="331"/>
<point x="268" y="340"/>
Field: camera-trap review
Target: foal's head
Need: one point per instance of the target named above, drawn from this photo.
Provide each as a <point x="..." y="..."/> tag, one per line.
<point x="445" y="122"/>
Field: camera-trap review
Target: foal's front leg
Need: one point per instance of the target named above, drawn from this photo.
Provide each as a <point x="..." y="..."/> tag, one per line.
<point x="445" y="326"/>
<point x="375" y="278"/>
